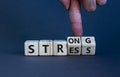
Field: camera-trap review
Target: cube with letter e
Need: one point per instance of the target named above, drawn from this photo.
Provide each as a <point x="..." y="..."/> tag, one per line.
<point x="74" y="45"/>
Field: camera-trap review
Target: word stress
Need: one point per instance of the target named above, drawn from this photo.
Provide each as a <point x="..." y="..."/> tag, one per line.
<point x="73" y="46"/>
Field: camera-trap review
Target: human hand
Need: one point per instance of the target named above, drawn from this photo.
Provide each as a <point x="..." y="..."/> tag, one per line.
<point x="73" y="6"/>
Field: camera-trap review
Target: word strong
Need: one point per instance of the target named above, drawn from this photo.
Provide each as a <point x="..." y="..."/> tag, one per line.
<point x="73" y="46"/>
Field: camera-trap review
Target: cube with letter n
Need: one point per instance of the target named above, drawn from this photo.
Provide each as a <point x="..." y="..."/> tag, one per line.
<point x="74" y="45"/>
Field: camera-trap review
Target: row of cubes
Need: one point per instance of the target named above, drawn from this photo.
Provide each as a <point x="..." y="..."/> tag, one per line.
<point x="73" y="46"/>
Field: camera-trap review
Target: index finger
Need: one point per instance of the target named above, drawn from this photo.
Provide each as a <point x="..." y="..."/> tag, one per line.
<point x="75" y="17"/>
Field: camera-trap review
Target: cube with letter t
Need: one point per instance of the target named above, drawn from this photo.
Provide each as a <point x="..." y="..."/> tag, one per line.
<point x="88" y="46"/>
<point x="45" y="47"/>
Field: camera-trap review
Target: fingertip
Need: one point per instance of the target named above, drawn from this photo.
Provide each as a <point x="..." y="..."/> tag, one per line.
<point x="65" y="3"/>
<point x="90" y="9"/>
<point x="77" y="29"/>
<point x="89" y="5"/>
<point x="101" y="2"/>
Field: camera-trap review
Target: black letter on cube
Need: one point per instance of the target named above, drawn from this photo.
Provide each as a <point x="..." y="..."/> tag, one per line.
<point x="74" y="45"/>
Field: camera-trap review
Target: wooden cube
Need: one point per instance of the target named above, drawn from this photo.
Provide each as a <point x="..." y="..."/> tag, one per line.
<point x="88" y="46"/>
<point x="45" y="47"/>
<point x="31" y="48"/>
<point x="60" y="47"/>
<point x="74" y="45"/>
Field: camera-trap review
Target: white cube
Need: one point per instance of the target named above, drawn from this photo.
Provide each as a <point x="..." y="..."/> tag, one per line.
<point x="60" y="47"/>
<point x="88" y="46"/>
<point x="74" y="45"/>
<point x="31" y="47"/>
<point x="45" y="47"/>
